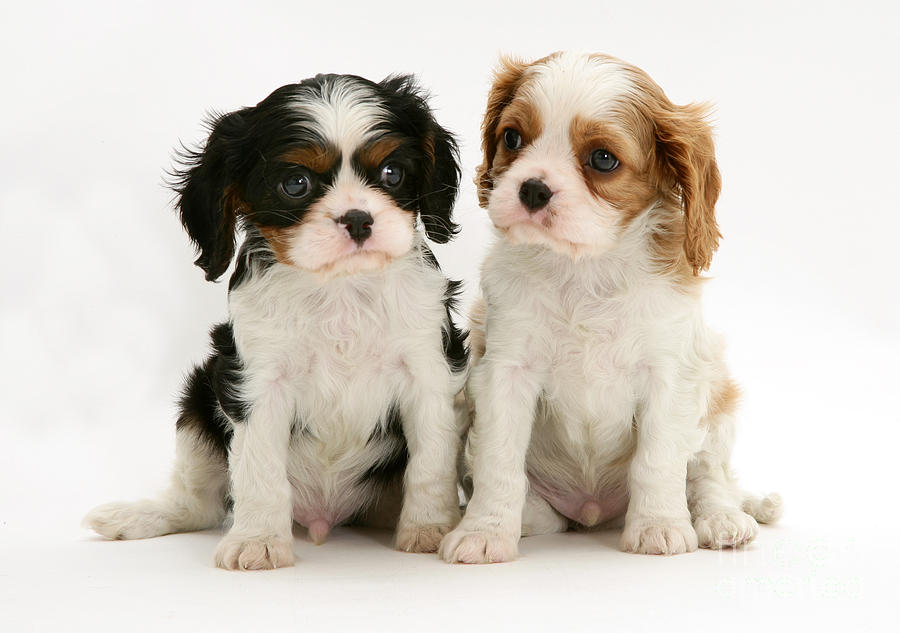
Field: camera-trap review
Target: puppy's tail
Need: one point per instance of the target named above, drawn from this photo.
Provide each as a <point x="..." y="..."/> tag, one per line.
<point x="766" y="509"/>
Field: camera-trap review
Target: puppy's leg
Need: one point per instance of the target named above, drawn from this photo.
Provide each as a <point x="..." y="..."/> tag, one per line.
<point x="766" y="509"/>
<point x="430" y="499"/>
<point x="195" y="500"/>
<point x="668" y="434"/>
<point x="722" y="516"/>
<point x="505" y="398"/>
<point x="539" y="517"/>
<point x="260" y="537"/>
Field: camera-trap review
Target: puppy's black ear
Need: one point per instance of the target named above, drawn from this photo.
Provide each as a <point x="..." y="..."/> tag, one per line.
<point x="439" y="182"/>
<point x="208" y="199"/>
<point x="440" y="185"/>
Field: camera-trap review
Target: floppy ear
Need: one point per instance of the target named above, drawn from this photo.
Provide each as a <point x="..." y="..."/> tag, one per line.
<point x="208" y="200"/>
<point x="685" y="140"/>
<point x="439" y="183"/>
<point x="507" y="78"/>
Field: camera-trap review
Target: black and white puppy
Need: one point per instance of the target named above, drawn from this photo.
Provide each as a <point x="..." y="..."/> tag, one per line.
<point x="336" y="370"/>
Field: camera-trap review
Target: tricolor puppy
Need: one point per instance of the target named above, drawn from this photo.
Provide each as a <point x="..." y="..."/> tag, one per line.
<point x="336" y="370"/>
<point x="599" y="392"/>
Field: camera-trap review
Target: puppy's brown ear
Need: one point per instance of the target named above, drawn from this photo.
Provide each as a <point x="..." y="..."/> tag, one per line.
<point x="507" y="78"/>
<point x="685" y="141"/>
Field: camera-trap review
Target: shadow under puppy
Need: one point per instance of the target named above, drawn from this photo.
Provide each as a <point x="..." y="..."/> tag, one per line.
<point x="597" y="389"/>
<point x="336" y="371"/>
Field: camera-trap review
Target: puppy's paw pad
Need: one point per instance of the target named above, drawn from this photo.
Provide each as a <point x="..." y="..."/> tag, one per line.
<point x="664" y="536"/>
<point x="729" y="528"/>
<point x="421" y="538"/>
<point x="475" y="547"/>
<point x="246" y="554"/>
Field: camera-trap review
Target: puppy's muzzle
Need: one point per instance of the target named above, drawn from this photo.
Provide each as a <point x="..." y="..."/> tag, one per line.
<point x="358" y="224"/>
<point x="534" y="194"/>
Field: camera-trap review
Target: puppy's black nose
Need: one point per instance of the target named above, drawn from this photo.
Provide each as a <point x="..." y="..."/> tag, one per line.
<point x="358" y="224"/>
<point x="534" y="194"/>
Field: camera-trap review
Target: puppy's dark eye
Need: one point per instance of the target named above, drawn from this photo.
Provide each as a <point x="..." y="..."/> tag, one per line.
<point x="603" y="160"/>
<point x="512" y="139"/>
<point x="391" y="175"/>
<point x="296" y="186"/>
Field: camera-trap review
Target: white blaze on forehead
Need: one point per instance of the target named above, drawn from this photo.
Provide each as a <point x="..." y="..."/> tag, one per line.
<point x="570" y="85"/>
<point x="346" y="115"/>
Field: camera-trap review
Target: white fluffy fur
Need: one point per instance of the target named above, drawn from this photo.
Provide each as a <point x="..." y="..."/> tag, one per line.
<point x="337" y="356"/>
<point x="593" y="392"/>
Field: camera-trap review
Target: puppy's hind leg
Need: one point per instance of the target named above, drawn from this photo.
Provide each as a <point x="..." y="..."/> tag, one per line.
<point x="539" y="517"/>
<point x="766" y="509"/>
<point x="195" y="499"/>
<point x="721" y="515"/>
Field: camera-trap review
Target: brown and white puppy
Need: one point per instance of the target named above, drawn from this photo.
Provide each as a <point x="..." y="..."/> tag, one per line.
<point x="599" y="392"/>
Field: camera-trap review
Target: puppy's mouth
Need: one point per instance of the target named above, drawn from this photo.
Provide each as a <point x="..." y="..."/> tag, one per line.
<point x="539" y="233"/>
<point x="357" y="261"/>
<point x="538" y="228"/>
<point x="363" y="247"/>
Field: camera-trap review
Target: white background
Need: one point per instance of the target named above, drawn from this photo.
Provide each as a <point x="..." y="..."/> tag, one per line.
<point x="101" y="310"/>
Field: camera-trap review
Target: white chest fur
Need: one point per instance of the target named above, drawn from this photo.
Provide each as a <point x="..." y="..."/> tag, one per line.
<point x="338" y="355"/>
<point x="596" y="333"/>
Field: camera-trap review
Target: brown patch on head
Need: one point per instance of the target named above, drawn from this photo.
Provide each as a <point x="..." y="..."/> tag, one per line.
<point x="317" y="158"/>
<point x="521" y="116"/>
<point x="724" y="399"/>
<point x="280" y="239"/>
<point x="631" y="187"/>
<point x="508" y="78"/>
<point x="373" y="154"/>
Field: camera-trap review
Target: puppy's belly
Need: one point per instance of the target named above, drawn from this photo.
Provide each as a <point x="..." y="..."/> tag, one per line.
<point x="331" y="483"/>
<point x="579" y="457"/>
<point x="584" y="506"/>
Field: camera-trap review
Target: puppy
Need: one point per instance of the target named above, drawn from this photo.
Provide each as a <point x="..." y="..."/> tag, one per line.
<point x="336" y="370"/>
<point x="599" y="392"/>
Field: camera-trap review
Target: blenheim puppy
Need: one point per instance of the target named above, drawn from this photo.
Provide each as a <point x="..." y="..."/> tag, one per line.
<point x="336" y="370"/>
<point x="599" y="392"/>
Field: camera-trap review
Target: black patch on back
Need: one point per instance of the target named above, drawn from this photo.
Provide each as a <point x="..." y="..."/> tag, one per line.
<point x="225" y="373"/>
<point x="213" y="388"/>
<point x="452" y="338"/>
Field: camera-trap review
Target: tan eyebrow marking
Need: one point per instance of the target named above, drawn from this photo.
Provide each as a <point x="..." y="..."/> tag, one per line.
<point x="373" y="154"/>
<point x="586" y="135"/>
<point x="522" y="115"/>
<point x="317" y="158"/>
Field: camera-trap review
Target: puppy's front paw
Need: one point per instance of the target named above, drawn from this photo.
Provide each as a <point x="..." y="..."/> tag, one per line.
<point x="420" y="538"/>
<point x="658" y="536"/>
<point x="730" y="528"/>
<point x="239" y="553"/>
<point x="478" y="546"/>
